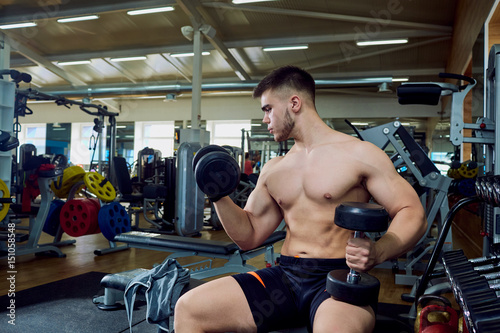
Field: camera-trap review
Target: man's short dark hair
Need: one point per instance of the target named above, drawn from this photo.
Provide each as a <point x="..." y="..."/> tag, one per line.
<point x="287" y="77"/>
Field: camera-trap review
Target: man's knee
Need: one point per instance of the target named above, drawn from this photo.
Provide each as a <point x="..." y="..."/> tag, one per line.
<point x="184" y="311"/>
<point x="333" y="316"/>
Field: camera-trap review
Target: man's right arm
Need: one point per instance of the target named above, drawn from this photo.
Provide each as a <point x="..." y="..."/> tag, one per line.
<point x="251" y="226"/>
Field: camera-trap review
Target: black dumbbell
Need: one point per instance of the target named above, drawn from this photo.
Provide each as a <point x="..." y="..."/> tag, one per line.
<point x="348" y="285"/>
<point x="216" y="172"/>
<point x="483" y="317"/>
<point x="457" y="263"/>
<point x="474" y="288"/>
<point x="458" y="266"/>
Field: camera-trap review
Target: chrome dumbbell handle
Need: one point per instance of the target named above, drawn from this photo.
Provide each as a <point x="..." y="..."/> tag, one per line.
<point x="353" y="276"/>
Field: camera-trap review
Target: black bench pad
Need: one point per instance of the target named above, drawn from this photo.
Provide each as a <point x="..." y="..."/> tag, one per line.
<point x="186" y="243"/>
<point x="120" y="280"/>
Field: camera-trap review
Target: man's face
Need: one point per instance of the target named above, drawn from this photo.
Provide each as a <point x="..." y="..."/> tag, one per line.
<point x="277" y="116"/>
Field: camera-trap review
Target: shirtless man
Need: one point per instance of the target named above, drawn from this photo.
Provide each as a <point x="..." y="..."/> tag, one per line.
<point x="323" y="169"/>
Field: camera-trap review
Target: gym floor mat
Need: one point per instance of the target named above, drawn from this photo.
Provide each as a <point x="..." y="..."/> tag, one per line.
<point x="66" y="306"/>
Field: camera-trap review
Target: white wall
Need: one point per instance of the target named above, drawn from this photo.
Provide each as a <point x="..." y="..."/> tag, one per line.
<point x="234" y="108"/>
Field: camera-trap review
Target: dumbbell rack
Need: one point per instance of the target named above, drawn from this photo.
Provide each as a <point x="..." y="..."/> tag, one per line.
<point x="475" y="292"/>
<point x="491" y="229"/>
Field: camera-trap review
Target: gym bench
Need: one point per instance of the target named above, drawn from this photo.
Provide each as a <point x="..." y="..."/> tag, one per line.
<point x="187" y="247"/>
<point x="115" y="285"/>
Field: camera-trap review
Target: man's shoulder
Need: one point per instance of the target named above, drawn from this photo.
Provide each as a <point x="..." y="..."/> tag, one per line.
<point x="274" y="161"/>
<point x="353" y="146"/>
<point x="344" y="140"/>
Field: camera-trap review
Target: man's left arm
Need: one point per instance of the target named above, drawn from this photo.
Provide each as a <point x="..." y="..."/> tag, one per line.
<point x="398" y="197"/>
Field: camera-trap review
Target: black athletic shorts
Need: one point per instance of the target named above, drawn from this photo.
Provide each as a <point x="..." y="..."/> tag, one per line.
<point x="288" y="295"/>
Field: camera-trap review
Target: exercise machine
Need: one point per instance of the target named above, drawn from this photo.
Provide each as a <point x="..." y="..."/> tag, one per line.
<point x="427" y="180"/>
<point x="473" y="281"/>
<point x="148" y="166"/>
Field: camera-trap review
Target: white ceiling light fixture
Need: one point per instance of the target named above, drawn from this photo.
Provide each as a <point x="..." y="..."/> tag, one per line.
<point x="18" y="25"/>
<point x="188" y="54"/>
<point x="400" y="79"/>
<point x="150" y="10"/>
<point x="152" y="97"/>
<point x="78" y="18"/>
<point x="382" y="42"/>
<point x="72" y="63"/>
<point x="285" y="48"/>
<point x="128" y="59"/>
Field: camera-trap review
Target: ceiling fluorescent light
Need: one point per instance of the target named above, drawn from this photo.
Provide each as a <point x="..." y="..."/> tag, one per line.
<point x="128" y="59"/>
<point x="78" y="18"/>
<point x="152" y="97"/>
<point x="238" y="2"/>
<point x="400" y="79"/>
<point x="285" y="48"/>
<point x="18" y="25"/>
<point x="382" y="42"/>
<point x="70" y="63"/>
<point x="189" y="54"/>
<point x="150" y="10"/>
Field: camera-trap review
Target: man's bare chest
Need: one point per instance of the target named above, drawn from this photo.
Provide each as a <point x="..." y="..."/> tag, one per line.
<point x="313" y="182"/>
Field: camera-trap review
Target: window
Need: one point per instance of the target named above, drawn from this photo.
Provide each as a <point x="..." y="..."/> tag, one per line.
<point x="34" y="134"/>
<point x="83" y="142"/>
<point x="157" y="135"/>
<point x="227" y="132"/>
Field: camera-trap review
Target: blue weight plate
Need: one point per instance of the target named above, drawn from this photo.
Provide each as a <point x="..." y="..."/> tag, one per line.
<point x="113" y="220"/>
<point x="51" y="224"/>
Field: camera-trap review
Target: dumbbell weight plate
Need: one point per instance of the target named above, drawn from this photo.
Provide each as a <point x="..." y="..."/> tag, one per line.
<point x="4" y="193"/>
<point x="100" y="186"/>
<point x="360" y="216"/>
<point x="364" y="292"/>
<point x="205" y="150"/>
<point x="217" y="174"/>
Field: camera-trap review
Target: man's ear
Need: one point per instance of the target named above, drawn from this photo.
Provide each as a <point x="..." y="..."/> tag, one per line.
<point x="296" y="103"/>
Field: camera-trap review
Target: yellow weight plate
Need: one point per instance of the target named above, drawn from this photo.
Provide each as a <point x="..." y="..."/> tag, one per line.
<point x="70" y="177"/>
<point x="465" y="172"/>
<point x="453" y="173"/>
<point x="4" y="193"/>
<point x="100" y="186"/>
